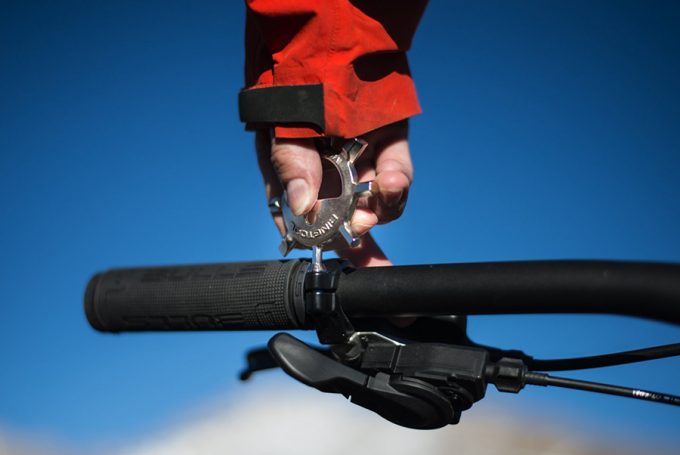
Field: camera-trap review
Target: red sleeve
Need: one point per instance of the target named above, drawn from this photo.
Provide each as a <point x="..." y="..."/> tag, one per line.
<point x="355" y="49"/>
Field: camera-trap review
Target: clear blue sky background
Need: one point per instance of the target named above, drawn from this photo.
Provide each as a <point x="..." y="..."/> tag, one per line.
<point x="551" y="130"/>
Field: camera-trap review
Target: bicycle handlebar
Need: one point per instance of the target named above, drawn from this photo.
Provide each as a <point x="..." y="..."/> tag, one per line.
<point x="270" y="295"/>
<point x="643" y="289"/>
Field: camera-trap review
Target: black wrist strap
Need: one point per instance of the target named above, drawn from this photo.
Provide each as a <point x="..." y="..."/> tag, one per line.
<point x="283" y="105"/>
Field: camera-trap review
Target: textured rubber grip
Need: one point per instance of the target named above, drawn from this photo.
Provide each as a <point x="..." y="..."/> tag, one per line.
<point x="230" y="296"/>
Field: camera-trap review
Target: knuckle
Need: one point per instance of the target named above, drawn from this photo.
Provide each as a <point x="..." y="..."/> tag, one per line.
<point x="398" y="167"/>
<point x="286" y="162"/>
<point x="291" y="161"/>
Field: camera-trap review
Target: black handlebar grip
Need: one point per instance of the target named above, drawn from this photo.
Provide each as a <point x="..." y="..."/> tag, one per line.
<point x="231" y="296"/>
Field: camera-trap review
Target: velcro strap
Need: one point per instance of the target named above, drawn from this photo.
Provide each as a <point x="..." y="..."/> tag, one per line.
<point x="283" y="104"/>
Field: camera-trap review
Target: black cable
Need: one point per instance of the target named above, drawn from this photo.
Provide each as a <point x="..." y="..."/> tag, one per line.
<point x="605" y="360"/>
<point x="543" y="379"/>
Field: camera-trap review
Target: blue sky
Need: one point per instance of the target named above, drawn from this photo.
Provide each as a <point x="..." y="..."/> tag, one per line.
<point x="549" y="131"/>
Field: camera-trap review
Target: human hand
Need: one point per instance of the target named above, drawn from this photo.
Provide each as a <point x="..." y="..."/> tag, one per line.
<point x="296" y="165"/>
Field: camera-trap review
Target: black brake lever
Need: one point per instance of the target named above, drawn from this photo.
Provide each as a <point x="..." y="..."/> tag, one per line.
<point x="406" y="401"/>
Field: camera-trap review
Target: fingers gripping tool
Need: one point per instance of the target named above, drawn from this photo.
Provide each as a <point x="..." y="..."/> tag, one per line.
<point x="333" y="215"/>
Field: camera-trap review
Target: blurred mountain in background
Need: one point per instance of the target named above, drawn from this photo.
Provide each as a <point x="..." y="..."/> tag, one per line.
<point x="294" y="420"/>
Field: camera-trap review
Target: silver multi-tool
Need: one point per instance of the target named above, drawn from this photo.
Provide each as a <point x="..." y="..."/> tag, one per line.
<point x="332" y="215"/>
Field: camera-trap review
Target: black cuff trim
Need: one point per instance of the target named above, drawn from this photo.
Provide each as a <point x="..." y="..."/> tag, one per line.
<point x="283" y="104"/>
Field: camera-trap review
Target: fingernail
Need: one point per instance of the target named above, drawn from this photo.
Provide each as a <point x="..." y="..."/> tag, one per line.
<point x="393" y="198"/>
<point x="299" y="196"/>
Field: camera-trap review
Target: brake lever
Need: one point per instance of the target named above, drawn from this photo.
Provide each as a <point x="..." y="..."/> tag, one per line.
<point x="405" y="401"/>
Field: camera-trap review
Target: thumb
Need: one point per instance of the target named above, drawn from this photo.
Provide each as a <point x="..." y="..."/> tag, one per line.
<point x="297" y="164"/>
